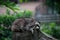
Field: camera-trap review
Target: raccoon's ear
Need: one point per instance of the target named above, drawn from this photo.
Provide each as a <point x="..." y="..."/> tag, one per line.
<point x="32" y="20"/>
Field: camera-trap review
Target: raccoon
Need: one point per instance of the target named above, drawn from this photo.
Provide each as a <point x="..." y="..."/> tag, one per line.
<point x="23" y="29"/>
<point x="28" y="29"/>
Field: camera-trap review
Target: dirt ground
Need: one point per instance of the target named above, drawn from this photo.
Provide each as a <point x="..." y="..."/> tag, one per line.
<point x="29" y="6"/>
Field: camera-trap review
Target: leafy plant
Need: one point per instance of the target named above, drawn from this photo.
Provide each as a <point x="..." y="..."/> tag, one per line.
<point x="28" y="14"/>
<point x="5" y="34"/>
<point x="8" y="18"/>
<point x="52" y="29"/>
<point x="9" y="4"/>
<point x="54" y="4"/>
<point x="24" y="14"/>
<point x="23" y="1"/>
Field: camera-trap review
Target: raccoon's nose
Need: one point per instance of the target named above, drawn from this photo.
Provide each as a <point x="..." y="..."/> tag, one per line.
<point x="37" y="27"/>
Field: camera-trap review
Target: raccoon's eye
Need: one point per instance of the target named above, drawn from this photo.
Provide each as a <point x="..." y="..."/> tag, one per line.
<point x="32" y="26"/>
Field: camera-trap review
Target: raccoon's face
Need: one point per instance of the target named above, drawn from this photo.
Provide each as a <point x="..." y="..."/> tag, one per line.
<point x="32" y="24"/>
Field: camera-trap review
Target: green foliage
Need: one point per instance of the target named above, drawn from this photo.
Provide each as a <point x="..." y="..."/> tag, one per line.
<point x="28" y="14"/>
<point x="9" y="4"/>
<point x="24" y="14"/>
<point x="49" y="3"/>
<point x="8" y="11"/>
<point x="54" y="4"/>
<point x="8" y="19"/>
<point x="5" y="34"/>
<point x="52" y="29"/>
<point x="20" y="1"/>
<point x="23" y="1"/>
